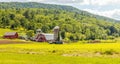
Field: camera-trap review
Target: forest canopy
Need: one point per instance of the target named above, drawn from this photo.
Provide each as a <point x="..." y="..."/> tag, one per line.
<point x="74" y="25"/>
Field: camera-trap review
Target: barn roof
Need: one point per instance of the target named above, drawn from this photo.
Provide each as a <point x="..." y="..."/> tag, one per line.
<point x="49" y="36"/>
<point x="10" y="33"/>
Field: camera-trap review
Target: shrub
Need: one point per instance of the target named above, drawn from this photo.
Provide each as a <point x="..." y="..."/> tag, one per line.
<point x="109" y="52"/>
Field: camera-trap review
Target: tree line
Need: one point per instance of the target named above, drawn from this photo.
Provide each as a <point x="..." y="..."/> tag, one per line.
<point x="73" y="25"/>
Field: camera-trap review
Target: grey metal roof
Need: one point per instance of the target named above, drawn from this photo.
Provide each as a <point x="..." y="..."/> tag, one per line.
<point x="10" y="33"/>
<point x="49" y="36"/>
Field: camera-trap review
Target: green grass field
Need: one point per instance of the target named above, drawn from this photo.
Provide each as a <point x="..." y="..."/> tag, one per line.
<point x="75" y="53"/>
<point x="107" y="52"/>
<point x="2" y="31"/>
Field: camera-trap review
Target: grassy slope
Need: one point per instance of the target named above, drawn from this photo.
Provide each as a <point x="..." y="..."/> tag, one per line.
<point x="8" y="58"/>
<point x="42" y="53"/>
<point x="2" y="31"/>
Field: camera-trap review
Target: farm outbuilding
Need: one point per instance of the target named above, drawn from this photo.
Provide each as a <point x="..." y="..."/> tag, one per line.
<point x="11" y="35"/>
<point x="49" y="37"/>
<point x="44" y="37"/>
<point x="40" y="38"/>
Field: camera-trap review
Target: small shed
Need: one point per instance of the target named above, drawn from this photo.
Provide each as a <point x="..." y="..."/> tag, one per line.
<point x="11" y="35"/>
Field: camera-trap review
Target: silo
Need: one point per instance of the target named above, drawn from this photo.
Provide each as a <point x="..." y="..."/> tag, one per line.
<point x="56" y="33"/>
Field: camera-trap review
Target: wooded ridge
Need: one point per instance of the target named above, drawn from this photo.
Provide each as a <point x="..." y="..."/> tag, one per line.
<point x="75" y="24"/>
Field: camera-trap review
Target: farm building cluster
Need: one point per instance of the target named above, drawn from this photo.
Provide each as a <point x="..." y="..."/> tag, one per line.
<point x="39" y="36"/>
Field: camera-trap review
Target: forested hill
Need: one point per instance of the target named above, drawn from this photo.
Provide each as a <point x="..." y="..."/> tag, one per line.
<point x="74" y="25"/>
<point x="4" y="5"/>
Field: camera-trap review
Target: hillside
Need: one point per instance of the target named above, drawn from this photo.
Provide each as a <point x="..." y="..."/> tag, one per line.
<point x="75" y="24"/>
<point x="4" y="5"/>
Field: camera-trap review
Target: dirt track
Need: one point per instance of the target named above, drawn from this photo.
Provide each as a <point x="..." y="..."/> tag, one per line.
<point x="11" y="42"/>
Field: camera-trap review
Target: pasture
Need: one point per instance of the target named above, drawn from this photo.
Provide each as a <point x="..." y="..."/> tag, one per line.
<point x="72" y="53"/>
<point x="2" y="31"/>
<point x="27" y="52"/>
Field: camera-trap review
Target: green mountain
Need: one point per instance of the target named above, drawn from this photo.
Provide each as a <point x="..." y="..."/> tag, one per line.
<point x="75" y="24"/>
<point x="4" y="5"/>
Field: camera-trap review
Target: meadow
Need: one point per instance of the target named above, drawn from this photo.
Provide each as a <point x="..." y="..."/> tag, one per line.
<point x="27" y="52"/>
<point x="2" y="31"/>
<point x="72" y="53"/>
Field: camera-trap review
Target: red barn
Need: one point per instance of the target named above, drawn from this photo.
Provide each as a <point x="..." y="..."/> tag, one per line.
<point x="44" y="37"/>
<point x="40" y="38"/>
<point x="11" y="35"/>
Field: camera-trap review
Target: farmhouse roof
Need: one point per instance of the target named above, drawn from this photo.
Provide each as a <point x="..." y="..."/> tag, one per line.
<point x="10" y="33"/>
<point x="49" y="36"/>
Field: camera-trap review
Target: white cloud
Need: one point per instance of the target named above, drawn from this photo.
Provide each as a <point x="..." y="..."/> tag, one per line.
<point x="85" y="2"/>
<point x="53" y="1"/>
<point x="100" y="2"/>
<point x="115" y="14"/>
<point x="36" y="0"/>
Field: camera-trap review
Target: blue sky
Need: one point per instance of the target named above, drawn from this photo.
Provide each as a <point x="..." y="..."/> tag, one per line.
<point x="108" y="8"/>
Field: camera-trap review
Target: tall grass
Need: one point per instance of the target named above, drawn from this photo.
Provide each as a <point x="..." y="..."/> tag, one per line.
<point x="44" y="53"/>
